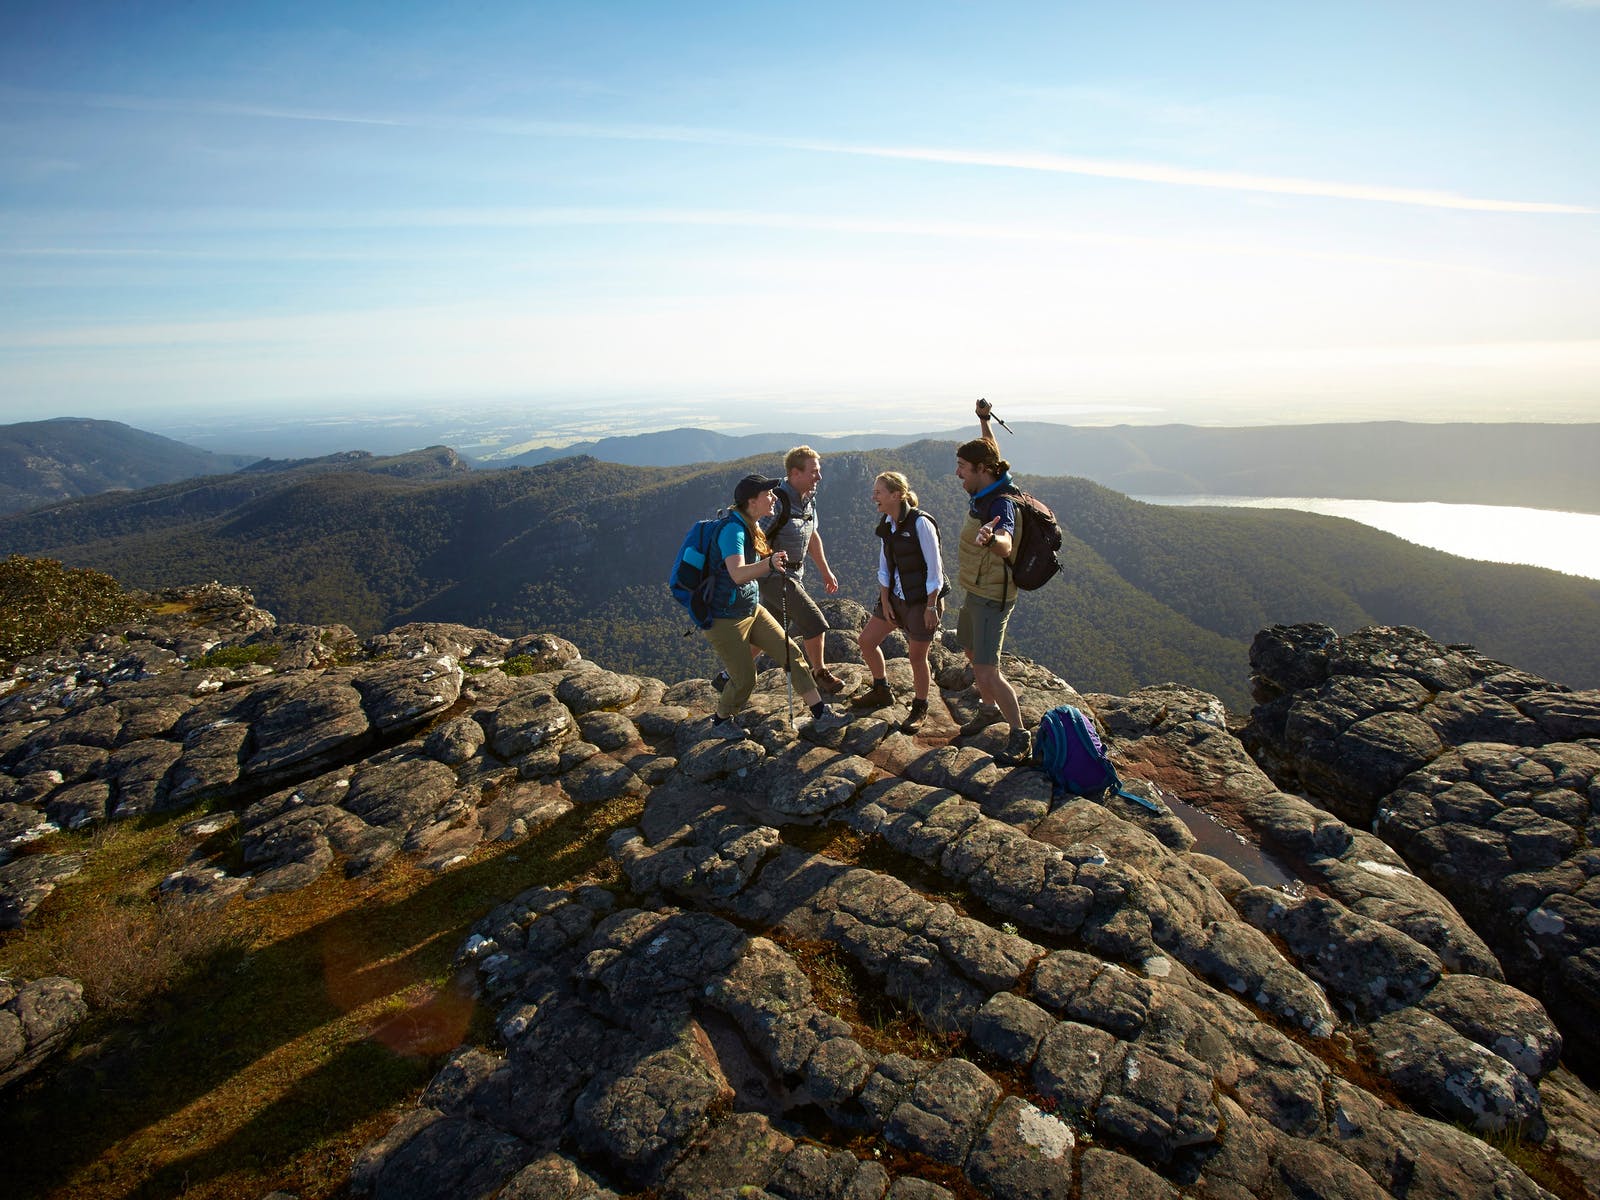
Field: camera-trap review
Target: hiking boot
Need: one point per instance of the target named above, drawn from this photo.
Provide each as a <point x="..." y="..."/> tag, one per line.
<point x="1018" y="750"/>
<point x="829" y="718"/>
<point x="876" y="696"/>
<point x="729" y="730"/>
<point x="985" y="717"/>
<point x="913" y="721"/>
<point x="720" y="680"/>
<point x="828" y="683"/>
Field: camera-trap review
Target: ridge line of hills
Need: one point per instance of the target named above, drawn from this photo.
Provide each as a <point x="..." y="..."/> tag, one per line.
<point x="43" y="462"/>
<point x="1525" y="464"/>
<point x="1528" y="465"/>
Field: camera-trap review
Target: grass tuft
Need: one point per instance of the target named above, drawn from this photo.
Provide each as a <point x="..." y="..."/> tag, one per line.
<point x="238" y="656"/>
<point x="126" y="954"/>
<point x="1538" y="1163"/>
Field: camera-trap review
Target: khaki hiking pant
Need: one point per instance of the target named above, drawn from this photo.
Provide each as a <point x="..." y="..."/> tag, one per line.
<point x="732" y="639"/>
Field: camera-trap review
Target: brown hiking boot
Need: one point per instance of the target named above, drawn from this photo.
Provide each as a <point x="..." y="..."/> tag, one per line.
<point x="985" y="717"/>
<point x="827" y="682"/>
<point x="913" y="721"/>
<point x="1018" y="750"/>
<point x="876" y="696"/>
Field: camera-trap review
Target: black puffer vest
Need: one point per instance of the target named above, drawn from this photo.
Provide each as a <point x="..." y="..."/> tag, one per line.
<point x="903" y="549"/>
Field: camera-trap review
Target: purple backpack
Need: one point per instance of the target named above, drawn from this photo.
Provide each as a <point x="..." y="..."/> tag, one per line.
<point x="1071" y="754"/>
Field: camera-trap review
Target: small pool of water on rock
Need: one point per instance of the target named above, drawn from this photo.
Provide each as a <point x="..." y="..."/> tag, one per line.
<point x="1216" y="839"/>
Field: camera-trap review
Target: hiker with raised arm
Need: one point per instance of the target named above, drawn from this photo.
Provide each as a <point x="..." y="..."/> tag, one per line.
<point x="910" y="595"/>
<point x="985" y="543"/>
<point x="792" y="528"/>
<point x="739" y="623"/>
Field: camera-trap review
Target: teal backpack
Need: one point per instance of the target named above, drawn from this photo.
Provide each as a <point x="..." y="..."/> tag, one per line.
<point x="694" y="572"/>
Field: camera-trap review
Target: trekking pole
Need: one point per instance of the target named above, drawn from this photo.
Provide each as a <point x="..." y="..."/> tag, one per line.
<point x="783" y="620"/>
<point x="988" y="411"/>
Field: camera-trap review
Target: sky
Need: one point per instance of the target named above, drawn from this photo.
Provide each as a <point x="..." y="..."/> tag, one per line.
<point x="1218" y="213"/>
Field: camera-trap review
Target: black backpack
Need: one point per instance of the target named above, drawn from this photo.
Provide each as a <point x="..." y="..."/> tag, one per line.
<point x="1033" y="560"/>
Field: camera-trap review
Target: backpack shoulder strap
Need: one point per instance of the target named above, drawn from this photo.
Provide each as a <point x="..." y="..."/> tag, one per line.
<point x="1052" y="744"/>
<point x="723" y="520"/>
<point x="1140" y="800"/>
<point x="1016" y="536"/>
<point x="784" y="512"/>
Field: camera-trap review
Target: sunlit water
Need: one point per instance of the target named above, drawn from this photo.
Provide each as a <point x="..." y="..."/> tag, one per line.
<point x="1562" y="541"/>
<point x="1212" y="837"/>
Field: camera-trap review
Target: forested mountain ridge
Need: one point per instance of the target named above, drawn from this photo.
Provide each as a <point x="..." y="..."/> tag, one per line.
<point x="1149" y="594"/>
<point x="1528" y="464"/>
<point x="677" y="447"/>
<point x="45" y="461"/>
<point x="1524" y="464"/>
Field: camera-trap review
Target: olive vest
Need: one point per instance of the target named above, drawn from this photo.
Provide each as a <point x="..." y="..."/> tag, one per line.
<point x="979" y="570"/>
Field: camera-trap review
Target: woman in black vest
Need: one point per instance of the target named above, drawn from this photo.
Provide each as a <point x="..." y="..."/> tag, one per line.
<point x="910" y="594"/>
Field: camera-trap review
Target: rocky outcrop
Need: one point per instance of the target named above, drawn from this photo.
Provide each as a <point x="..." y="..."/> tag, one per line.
<point x="858" y="963"/>
<point x="1484" y="778"/>
<point x="25" y="884"/>
<point x="36" y="1019"/>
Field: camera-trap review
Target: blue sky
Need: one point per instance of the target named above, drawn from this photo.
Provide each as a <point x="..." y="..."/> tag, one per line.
<point x="1149" y="211"/>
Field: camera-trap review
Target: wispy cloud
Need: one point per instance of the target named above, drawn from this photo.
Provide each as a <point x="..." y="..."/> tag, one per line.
<point x="215" y="108"/>
<point x="1018" y="160"/>
<point x="1191" y="177"/>
<point x="516" y="218"/>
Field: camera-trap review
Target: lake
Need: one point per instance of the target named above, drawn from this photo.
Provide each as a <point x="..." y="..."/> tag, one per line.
<point x="1563" y="541"/>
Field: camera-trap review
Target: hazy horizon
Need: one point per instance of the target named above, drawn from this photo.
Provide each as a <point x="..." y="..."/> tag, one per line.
<point x="489" y="432"/>
<point x="1153" y="212"/>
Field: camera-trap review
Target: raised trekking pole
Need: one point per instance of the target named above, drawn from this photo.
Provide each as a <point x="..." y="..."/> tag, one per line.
<point x="985" y="409"/>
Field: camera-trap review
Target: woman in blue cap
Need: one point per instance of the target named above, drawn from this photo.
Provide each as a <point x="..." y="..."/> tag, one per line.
<point x="738" y="621"/>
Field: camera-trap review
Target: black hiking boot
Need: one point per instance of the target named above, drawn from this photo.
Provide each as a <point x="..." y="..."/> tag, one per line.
<point x="720" y="680"/>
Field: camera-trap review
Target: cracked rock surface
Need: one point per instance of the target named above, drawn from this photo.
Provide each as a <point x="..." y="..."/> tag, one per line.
<point x="1496" y="806"/>
<point x="869" y="964"/>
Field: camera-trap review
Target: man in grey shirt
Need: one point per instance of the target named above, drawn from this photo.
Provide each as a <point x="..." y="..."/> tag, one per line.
<point x="792" y="527"/>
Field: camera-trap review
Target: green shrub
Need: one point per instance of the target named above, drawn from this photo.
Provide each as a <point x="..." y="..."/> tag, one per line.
<point x="43" y="604"/>
<point x="238" y="656"/>
<point x="520" y="664"/>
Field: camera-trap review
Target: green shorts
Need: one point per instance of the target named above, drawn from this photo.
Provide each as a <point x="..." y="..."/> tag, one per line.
<point x="981" y="628"/>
